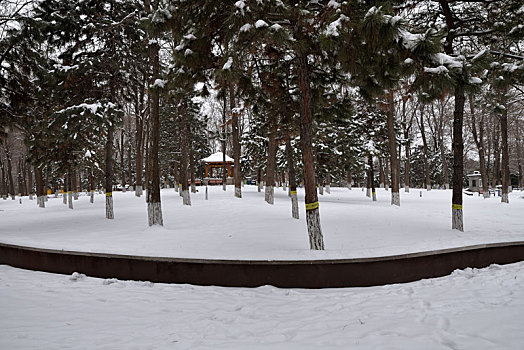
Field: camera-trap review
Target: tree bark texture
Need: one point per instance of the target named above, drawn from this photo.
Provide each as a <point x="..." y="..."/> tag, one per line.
<point x="236" y="143"/>
<point x="316" y="240"/>
<point x="292" y="179"/>
<point x="394" y="162"/>
<point x="505" y="156"/>
<point x="109" y="173"/>
<point x="458" y="162"/>
<point x="479" y="142"/>
<point x="184" y="152"/>
<point x="271" y="160"/>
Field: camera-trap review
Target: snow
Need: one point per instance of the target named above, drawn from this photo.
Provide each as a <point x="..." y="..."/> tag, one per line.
<point x="159" y="83"/>
<point x="470" y="309"/>
<point x="246" y="27"/>
<point x="228" y="64"/>
<point x="261" y="24"/>
<point x="475" y="80"/>
<point x="437" y="70"/>
<point x="225" y="227"/>
<point x="217" y="157"/>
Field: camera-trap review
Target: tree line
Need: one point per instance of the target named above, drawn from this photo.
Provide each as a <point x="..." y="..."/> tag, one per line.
<point x="302" y="93"/>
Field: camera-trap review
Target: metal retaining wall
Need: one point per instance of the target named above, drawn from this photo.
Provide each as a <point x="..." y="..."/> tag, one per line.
<point x="286" y="274"/>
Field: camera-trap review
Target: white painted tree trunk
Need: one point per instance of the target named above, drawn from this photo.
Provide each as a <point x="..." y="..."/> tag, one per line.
<point x="270" y="194"/>
<point x="206" y="193"/>
<point x="486" y="194"/>
<point x="446" y="187"/>
<point x="368" y="192"/>
<point x="428" y="187"/>
<point x="193" y="188"/>
<point x="176" y="187"/>
<point x="180" y="190"/>
<point x="387" y="187"/>
<point x="406" y="189"/>
<point x="70" y="199"/>
<point x="46" y="197"/>
<point x="154" y="214"/>
<point x="457" y="220"/>
<point x="40" y="200"/>
<point x="395" y="198"/>
<point x="64" y="198"/>
<point x="374" y="196"/>
<point x="124" y="190"/>
<point x="186" y="197"/>
<point x="238" y="192"/>
<point x="321" y="190"/>
<point x="294" y="206"/>
<point x="381" y="185"/>
<point x="109" y="207"/>
<point x="284" y="186"/>
<point x="91" y="196"/>
<point x="316" y="240"/>
<point x="328" y="189"/>
<point x="30" y="196"/>
<point x="504" y="198"/>
<point x="75" y="195"/>
<point x="224" y="186"/>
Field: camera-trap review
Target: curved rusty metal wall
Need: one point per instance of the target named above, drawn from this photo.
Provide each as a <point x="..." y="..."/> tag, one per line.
<point x="286" y="274"/>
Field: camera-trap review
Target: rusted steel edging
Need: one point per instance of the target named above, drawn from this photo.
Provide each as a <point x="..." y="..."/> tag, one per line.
<point x="359" y="272"/>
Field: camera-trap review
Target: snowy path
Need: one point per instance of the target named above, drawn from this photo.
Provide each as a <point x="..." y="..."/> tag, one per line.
<point x="225" y="227"/>
<point x="471" y="309"/>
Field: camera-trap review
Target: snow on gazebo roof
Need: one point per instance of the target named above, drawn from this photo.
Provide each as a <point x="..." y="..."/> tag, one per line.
<point x="475" y="173"/>
<point x="217" y="158"/>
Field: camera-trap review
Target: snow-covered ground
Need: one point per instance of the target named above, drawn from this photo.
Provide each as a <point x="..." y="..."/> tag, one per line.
<point x="470" y="309"/>
<point x="225" y="227"/>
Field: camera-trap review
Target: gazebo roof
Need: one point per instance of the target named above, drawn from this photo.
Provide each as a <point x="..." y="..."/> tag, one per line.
<point x="475" y="174"/>
<point x="217" y="158"/>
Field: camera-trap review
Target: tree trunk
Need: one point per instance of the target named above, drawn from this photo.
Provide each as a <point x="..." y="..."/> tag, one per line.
<point x="425" y="147"/>
<point x="91" y="186"/>
<point x="496" y="154"/>
<point x="380" y="173"/>
<point x="292" y="179"/>
<point x="123" y="165"/>
<point x="184" y="156"/>
<point x="236" y="143"/>
<point x="349" y="179"/>
<point x="224" y="142"/>
<point x="479" y="142"/>
<point x="154" y="207"/>
<point x="259" y="179"/>
<point x="458" y="161"/>
<point x="406" y="162"/>
<point x="10" y="173"/>
<point x="316" y="240"/>
<point x="505" y="155"/>
<point x="192" y="166"/>
<point x="3" y="183"/>
<point x="139" y="125"/>
<point x="64" y="197"/>
<point x="271" y="160"/>
<point x="40" y="195"/>
<point x="70" y="189"/>
<point x="371" y="178"/>
<point x="394" y="162"/>
<point x="109" y="173"/>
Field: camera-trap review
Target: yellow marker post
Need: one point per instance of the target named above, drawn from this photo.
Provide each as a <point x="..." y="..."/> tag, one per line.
<point x="312" y="206"/>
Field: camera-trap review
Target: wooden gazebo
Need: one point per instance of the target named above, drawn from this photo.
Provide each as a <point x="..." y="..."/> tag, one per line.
<point x="216" y="160"/>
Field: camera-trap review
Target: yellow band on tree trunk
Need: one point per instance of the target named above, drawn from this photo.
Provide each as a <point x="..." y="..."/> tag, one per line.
<point x="311" y="206"/>
<point x="109" y="194"/>
<point x="293" y="193"/>
<point x="456" y="206"/>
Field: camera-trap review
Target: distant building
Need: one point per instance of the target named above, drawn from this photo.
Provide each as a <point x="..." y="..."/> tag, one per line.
<point x="475" y="182"/>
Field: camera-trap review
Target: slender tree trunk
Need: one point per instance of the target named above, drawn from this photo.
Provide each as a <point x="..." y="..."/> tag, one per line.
<point x="519" y="153"/>
<point x="316" y="240"/>
<point x="271" y="161"/>
<point x="70" y="189"/>
<point x="259" y="179"/>
<point x="154" y="207"/>
<point x="192" y="166"/>
<point x="75" y="184"/>
<point x="177" y="183"/>
<point x="505" y="156"/>
<point x="10" y="174"/>
<point x="349" y="179"/>
<point x="496" y="153"/>
<point x="425" y="147"/>
<point x="40" y="195"/>
<point x="236" y="143"/>
<point x="479" y="142"/>
<point x="139" y="125"/>
<point x="458" y="162"/>
<point x="407" y="162"/>
<point x="91" y="186"/>
<point x="122" y="148"/>
<point x="109" y="173"/>
<point x="394" y="162"/>
<point x="3" y="183"/>
<point x="64" y="198"/>
<point x="184" y="157"/>
<point x="328" y="182"/>
<point x="292" y="179"/>
<point x="224" y="143"/>
<point x="380" y="173"/>
<point x="371" y="178"/>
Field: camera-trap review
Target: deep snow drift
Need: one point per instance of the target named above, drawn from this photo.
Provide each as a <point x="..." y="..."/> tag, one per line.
<point x="225" y="227"/>
<point x="470" y="309"/>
